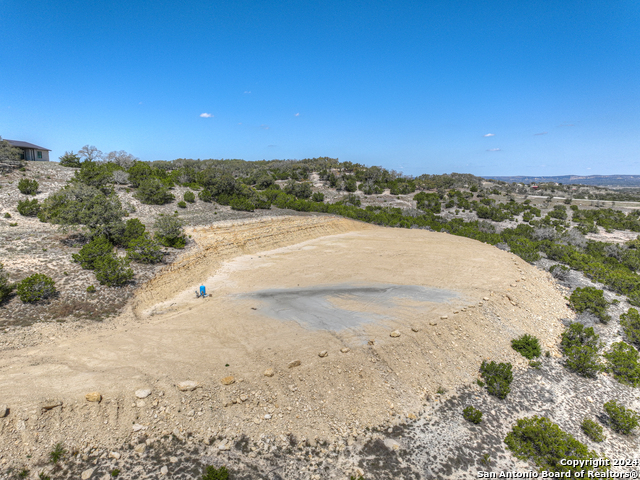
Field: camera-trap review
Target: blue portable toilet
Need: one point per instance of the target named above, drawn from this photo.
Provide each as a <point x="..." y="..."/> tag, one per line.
<point x="203" y="293"/>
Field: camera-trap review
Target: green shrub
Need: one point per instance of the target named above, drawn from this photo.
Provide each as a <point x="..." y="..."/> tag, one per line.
<point x="28" y="187"/>
<point x="622" y="362"/>
<point x="153" y="192"/>
<point x="145" y="250"/>
<point x="213" y="473"/>
<point x="590" y="299"/>
<point x="352" y="199"/>
<point x="35" y="288"/>
<point x="189" y="196"/>
<point x="29" y="208"/>
<point x="182" y="204"/>
<point x="472" y="414"/>
<point x="79" y="204"/>
<point x="5" y="286"/>
<point x="93" y="251"/>
<point x="592" y="430"/>
<point x="91" y="289"/>
<point x="70" y="159"/>
<point x="498" y="378"/>
<point x="242" y="204"/>
<point x="527" y="345"/>
<point x="622" y="420"/>
<point x="630" y="323"/>
<point x="580" y="346"/>
<point x="57" y="453"/>
<point x="7" y="215"/>
<point x="539" y="440"/>
<point x="133" y="230"/>
<point x="113" y="271"/>
<point x="317" y="197"/>
<point x="169" y="231"/>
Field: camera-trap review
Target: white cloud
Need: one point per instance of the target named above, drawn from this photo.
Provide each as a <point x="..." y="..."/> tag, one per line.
<point x="206" y="115"/>
<point x="489" y="135"/>
<point x="247" y="91"/>
<point x="494" y="149"/>
<point x="297" y="115"/>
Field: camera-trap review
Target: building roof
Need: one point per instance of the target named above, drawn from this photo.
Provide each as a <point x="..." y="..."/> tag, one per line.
<point x="17" y="143"/>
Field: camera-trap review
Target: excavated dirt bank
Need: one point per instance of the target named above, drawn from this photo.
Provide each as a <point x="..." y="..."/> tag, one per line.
<point x="373" y="373"/>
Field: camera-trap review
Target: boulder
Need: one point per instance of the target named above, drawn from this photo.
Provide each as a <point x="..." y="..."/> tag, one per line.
<point x="323" y="353"/>
<point x="395" y="334"/>
<point x="143" y="393"/>
<point x="93" y="397"/>
<point x="228" y="380"/>
<point x="269" y="372"/>
<point x="187" y="386"/>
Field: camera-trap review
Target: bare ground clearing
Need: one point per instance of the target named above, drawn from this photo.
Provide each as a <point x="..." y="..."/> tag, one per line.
<point x="368" y="378"/>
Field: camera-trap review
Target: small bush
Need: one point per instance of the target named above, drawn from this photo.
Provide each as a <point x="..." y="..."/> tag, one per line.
<point x="472" y="414"/>
<point x="57" y="453"/>
<point x="630" y="323"/>
<point x="622" y="362"/>
<point x="113" y="271"/>
<point x="535" y="364"/>
<point x="560" y="272"/>
<point x="622" y="420"/>
<point x="145" y="250"/>
<point x="28" y="187"/>
<point x="580" y="345"/>
<point x="29" y="208"/>
<point x="153" y="192"/>
<point x="526" y="345"/>
<point x="93" y="251"/>
<point x="592" y="430"/>
<point x="352" y="199"/>
<point x="242" y="204"/>
<point x="7" y="215"/>
<point x="35" y="288"/>
<point x="91" y="289"/>
<point x="590" y="299"/>
<point x="5" y="286"/>
<point x="498" y="378"/>
<point x="213" y="473"/>
<point x="133" y="230"/>
<point x="169" y="231"/>
<point x="317" y="197"/>
<point x="70" y="159"/>
<point x="182" y="204"/>
<point x="541" y="441"/>
<point x="189" y="196"/>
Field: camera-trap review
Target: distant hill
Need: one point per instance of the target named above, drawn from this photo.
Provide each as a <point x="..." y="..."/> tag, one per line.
<point x="598" y="180"/>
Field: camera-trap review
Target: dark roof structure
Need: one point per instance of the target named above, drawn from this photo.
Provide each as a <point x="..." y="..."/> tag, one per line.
<point x="17" y="143"/>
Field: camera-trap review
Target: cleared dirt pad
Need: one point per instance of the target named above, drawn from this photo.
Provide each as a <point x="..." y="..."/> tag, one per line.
<point x="453" y="301"/>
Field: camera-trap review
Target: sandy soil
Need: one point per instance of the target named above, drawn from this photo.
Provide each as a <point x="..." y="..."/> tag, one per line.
<point x="367" y="379"/>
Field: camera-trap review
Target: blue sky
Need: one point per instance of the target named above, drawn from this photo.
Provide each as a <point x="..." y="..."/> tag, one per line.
<point x="411" y="86"/>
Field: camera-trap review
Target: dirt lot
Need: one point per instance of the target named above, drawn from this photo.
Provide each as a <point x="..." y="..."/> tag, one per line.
<point x="369" y="378"/>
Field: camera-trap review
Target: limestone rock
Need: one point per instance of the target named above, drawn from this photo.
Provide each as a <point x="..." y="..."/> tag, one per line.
<point x="269" y="372"/>
<point x="93" y="397"/>
<point x="173" y="459"/>
<point x="164" y="470"/>
<point x="415" y="329"/>
<point x="115" y="455"/>
<point x="444" y="317"/>
<point x="50" y="404"/>
<point x="140" y="403"/>
<point x="295" y="363"/>
<point x="4" y="411"/>
<point x="323" y="353"/>
<point x="244" y="398"/>
<point x="143" y="393"/>
<point x="486" y="299"/>
<point x="228" y="380"/>
<point x="86" y="475"/>
<point x="187" y="386"/>
<point x="371" y="342"/>
<point x="345" y="350"/>
<point x="395" y="334"/>
<point x="140" y="448"/>
<point x="137" y="427"/>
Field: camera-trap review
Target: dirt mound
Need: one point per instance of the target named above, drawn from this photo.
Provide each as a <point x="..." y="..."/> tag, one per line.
<point x="432" y="306"/>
